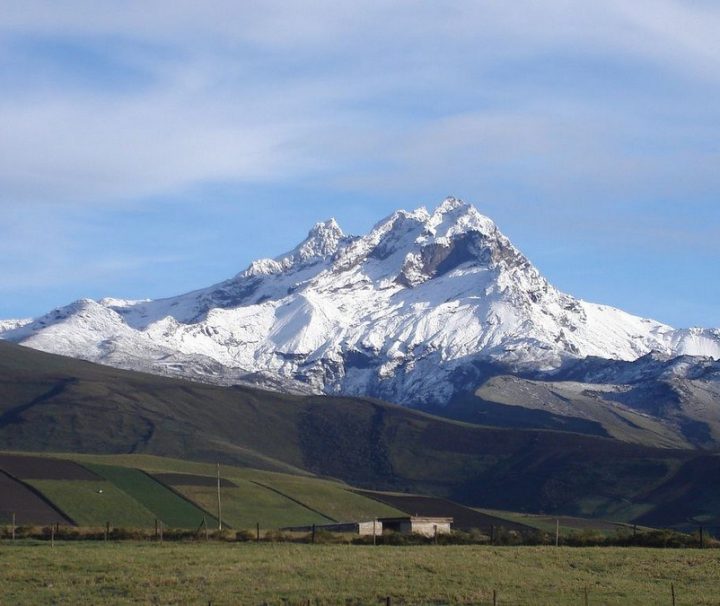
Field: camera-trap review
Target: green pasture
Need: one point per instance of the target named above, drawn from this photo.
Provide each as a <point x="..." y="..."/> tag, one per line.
<point x="91" y="503"/>
<point x="290" y="574"/>
<point x="330" y="498"/>
<point x="250" y="504"/>
<point x="172" y="509"/>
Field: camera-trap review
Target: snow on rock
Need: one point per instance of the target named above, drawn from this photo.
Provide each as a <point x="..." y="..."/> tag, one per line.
<point x="401" y="313"/>
<point x="697" y="342"/>
<point x="7" y="325"/>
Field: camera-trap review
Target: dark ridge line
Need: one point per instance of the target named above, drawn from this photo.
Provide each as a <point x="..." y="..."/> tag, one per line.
<point x="294" y="500"/>
<point x="12" y="416"/>
<point x="41" y="496"/>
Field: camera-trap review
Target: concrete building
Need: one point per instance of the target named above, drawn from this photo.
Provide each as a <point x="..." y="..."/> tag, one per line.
<point x="423" y="525"/>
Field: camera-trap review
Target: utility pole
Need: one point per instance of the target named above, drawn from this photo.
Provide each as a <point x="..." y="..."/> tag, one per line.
<point x="218" y="495"/>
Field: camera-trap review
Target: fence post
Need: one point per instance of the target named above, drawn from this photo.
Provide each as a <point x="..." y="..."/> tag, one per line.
<point x="161" y="531"/>
<point x="587" y="599"/>
<point x="257" y="532"/>
<point x="557" y="533"/>
<point x="313" y="534"/>
<point x="702" y="537"/>
<point x="52" y="535"/>
<point x="374" y="532"/>
<point x="672" y="590"/>
<point x="495" y="596"/>
<point x="13" y="527"/>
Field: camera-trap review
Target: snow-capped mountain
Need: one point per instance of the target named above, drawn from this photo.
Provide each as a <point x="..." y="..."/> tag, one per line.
<point x="408" y="312"/>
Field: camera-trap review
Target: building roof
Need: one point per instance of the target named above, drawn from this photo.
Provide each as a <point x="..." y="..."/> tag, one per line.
<point x="418" y="519"/>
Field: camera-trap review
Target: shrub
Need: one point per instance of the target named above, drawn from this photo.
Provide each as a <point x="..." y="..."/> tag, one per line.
<point x="244" y="536"/>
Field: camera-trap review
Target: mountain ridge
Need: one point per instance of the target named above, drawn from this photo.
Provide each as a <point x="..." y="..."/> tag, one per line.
<point x="408" y="313"/>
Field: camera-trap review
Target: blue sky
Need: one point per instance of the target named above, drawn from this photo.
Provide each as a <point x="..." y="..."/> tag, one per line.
<point x="150" y="148"/>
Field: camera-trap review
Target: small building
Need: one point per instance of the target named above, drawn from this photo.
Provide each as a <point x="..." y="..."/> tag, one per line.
<point x="422" y="525"/>
<point x="363" y="529"/>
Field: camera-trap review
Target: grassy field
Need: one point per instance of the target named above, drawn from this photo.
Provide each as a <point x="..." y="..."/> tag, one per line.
<point x="250" y="504"/>
<point x="568" y="525"/>
<point x="330" y="498"/>
<point x="126" y="573"/>
<point x="167" y="506"/>
<point x="82" y="501"/>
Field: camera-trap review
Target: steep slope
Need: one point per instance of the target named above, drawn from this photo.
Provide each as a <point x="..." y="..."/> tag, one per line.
<point x="656" y="400"/>
<point x="54" y="404"/>
<point x="413" y="312"/>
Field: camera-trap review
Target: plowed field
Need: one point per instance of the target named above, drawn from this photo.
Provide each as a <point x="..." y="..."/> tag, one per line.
<point x="186" y="479"/>
<point x="28" y="507"/>
<point x="44" y="468"/>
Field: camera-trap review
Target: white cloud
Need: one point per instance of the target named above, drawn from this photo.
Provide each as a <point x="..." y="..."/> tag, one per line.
<point x="280" y="90"/>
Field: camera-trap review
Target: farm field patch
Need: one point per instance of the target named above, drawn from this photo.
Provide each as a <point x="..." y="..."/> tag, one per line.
<point x="187" y="479"/>
<point x="249" y="504"/>
<point x="568" y="524"/>
<point x="199" y="573"/>
<point x="95" y="503"/>
<point x="332" y="500"/>
<point x="171" y="508"/>
<point x="27" y="467"/>
<point x="28" y="507"/>
<point x="329" y="498"/>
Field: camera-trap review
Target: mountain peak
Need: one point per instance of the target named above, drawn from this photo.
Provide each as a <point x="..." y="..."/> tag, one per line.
<point x="325" y="233"/>
<point x="323" y="241"/>
<point x="454" y="217"/>
<point x="408" y="312"/>
<point x="450" y="204"/>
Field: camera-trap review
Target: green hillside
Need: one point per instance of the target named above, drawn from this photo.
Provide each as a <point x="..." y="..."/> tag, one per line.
<point x="54" y="404"/>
